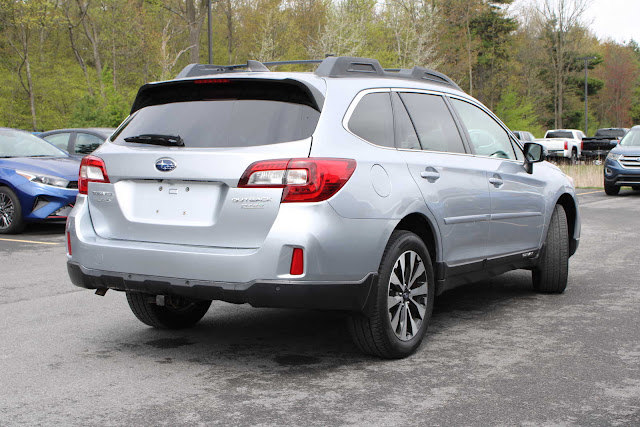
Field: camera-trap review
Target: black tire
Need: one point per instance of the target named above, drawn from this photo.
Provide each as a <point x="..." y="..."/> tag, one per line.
<point x="372" y="331"/>
<point x="177" y="313"/>
<point x="550" y="275"/>
<point x="611" y="189"/>
<point x="11" y="221"/>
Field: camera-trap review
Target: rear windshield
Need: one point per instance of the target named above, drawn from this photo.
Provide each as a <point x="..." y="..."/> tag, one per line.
<point x="611" y="133"/>
<point x="233" y="114"/>
<point x="559" y="134"/>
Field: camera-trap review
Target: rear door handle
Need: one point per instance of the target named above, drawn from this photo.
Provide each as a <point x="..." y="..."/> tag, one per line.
<point x="430" y="174"/>
<point x="496" y="180"/>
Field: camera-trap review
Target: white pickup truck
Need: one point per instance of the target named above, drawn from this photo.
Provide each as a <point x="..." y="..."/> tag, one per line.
<point x="563" y="143"/>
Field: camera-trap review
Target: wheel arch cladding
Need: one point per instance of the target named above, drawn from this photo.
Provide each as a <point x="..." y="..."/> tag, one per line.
<point x="420" y="225"/>
<point x="570" y="209"/>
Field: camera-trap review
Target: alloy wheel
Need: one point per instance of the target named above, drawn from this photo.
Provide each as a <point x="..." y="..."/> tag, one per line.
<point x="6" y="211"/>
<point x="407" y="295"/>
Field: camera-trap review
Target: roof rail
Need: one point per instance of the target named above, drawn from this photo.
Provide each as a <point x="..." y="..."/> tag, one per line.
<point x="332" y="66"/>
<point x="345" y="66"/>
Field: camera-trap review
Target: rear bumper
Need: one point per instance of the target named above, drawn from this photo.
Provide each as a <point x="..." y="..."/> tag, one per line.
<point x="351" y="296"/>
<point x="341" y="256"/>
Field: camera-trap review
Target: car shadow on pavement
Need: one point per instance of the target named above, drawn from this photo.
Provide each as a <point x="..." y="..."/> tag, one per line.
<point x="44" y="228"/>
<point x="302" y="339"/>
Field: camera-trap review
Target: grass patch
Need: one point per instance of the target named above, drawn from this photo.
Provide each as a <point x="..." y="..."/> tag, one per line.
<point x="584" y="176"/>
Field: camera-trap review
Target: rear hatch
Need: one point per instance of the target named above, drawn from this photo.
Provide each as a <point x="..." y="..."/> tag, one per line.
<point x="165" y="192"/>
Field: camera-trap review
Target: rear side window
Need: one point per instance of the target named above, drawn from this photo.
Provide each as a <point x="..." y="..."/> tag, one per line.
<point x="405" y="132"/>
<point x="226" y="114"/>
<point x="86" y="143"/>
<point x="372" y="119"/>
<point x="435" y="126"/>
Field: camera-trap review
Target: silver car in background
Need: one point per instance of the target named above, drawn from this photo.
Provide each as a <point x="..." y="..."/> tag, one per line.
<point x="350" y="188"/>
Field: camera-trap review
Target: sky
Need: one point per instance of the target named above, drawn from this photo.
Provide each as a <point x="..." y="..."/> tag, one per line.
<point x="618" y="20"/>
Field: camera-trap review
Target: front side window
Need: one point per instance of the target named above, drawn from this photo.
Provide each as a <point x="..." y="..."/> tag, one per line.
<point x="60" y="140"/>
<point x="372" y="119"/>
<point x="487" y="137"/>
<point x="434" y="124"/>
<point x="518" y="150"/>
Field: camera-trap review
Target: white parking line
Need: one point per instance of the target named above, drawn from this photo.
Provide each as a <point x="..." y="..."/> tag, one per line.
<point x="30" y="241"/>
<point x="590" y="192"/>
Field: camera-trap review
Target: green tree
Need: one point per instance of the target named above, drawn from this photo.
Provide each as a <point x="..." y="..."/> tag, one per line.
<point x="494" y="29"/>
<point x="518" y="113"/>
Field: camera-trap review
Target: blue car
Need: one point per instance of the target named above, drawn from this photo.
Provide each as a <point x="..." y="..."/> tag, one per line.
<point x="38" y="181"/>
<point x="622" y="165"/>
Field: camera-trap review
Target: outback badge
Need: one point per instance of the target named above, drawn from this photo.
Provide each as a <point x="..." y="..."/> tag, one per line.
<point x="165" y="165"/>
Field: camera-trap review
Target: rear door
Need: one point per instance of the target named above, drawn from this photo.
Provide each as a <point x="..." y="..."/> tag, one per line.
<point x="517" y="197"/>
<point x="453" y="185"/>
<point x="188" y="194"/>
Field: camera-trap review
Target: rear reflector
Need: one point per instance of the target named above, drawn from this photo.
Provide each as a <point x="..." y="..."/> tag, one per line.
<point x="297" y="262"/>
<point x="303" y="180"/>
<point x="92" y="169"/>
<point x="69" y="243"/>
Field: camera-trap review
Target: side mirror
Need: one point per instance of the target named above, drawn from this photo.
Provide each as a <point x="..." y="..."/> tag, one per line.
<point x="533" y="153"/>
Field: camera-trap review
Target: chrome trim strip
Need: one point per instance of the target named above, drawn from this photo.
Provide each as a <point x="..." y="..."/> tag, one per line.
<point x="467" y="218"/>
<point x="511" y="215"/>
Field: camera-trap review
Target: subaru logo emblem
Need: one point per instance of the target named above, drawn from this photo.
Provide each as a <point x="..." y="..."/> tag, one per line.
<point x="165" y="165"/>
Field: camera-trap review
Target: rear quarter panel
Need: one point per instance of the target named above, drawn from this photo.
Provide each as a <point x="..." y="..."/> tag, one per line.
<point x="381" y="187"/>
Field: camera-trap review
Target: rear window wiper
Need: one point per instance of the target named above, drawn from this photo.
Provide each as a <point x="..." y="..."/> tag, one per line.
<point x="153" y="139"/>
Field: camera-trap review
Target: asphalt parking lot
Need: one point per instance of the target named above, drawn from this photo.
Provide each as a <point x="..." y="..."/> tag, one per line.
<point x="496" y="352"/>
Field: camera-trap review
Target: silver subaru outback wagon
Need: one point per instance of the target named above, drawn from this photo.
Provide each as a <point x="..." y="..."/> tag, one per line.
<point x="350" y="188"/>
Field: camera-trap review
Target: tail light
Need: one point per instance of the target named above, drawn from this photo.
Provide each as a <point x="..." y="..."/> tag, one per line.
<point x="303" y="180"/>
<point x="210" y="81"/>
<point x="92" y="169"/>
<point x="581" y="145"/>
<point x="566" y="145"/>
